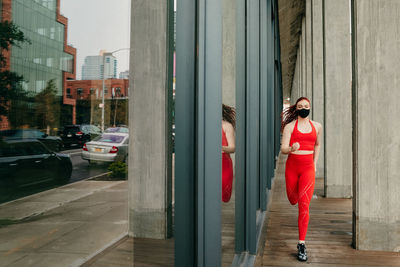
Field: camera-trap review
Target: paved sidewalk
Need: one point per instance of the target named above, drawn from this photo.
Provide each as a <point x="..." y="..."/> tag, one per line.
<point x="64" y="226"/>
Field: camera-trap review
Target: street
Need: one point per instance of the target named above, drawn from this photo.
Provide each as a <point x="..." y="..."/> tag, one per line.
<point x="81" y="168"/>
<point x="81" y="171"/>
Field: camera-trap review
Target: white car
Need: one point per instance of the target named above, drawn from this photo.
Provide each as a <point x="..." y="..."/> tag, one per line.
<point x="109" y="147"/>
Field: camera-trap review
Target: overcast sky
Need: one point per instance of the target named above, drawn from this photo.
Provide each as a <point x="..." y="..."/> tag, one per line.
<point x="94" y="25"/>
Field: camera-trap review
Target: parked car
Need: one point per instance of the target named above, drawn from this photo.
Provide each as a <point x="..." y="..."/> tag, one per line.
<point x="77" y="135"/>
<point x="108" y="147"/>
<point x="54" y="143"/>
<point x="27" y="162"/>
<point x="119" y="129"/>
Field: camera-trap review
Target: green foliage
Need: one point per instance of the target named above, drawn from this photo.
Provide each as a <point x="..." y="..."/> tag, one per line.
<point x="10" y="35"/>
<point x="118" y="169"/>
<point x="10" y="82"/>
<point x="47" y="106"/>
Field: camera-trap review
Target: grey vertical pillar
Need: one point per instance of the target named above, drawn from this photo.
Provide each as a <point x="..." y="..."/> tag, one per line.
<point x="338" y="120"/>
<point x="252" y="121"/>
<point x="149" y="157"/>
<point x="303" y="58"/>
<point x="229" y="52"/>
<point x="198" y="133"/>
<point x="308" y="48"/>
<point x="376" y="63"/>
<point x="295" y="94"/>
<point x="240" y="155"/>
<point x="229" y="55"/>
<point x="318" y="76"/>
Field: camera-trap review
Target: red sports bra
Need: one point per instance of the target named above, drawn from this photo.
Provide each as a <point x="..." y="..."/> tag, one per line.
<point x="306" y="140"/>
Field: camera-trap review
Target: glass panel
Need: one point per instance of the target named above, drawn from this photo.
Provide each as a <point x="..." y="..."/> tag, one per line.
<point x="53" y="190"/>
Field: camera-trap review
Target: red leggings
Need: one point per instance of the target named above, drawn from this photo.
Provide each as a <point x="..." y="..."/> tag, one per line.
<point x="300" y="180"/>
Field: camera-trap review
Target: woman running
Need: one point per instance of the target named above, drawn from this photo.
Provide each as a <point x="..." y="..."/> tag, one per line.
<point x="228" y="147"/>
<point x="301" y="140"/>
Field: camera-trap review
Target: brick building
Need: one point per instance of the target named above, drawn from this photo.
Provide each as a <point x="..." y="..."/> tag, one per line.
<point x="92" y="89"/>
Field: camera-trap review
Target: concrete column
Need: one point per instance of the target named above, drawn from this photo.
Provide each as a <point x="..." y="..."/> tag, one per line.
<point x="303" y="58"/>
<point x="308" y="48"/>
<point x="318" y="76"/>
<point x="338" y="120"/>
<point x="149" y="158"/>
<point x="376" y="125"/>
<point x="296" y="80"/>
<point x="229" y="53"/>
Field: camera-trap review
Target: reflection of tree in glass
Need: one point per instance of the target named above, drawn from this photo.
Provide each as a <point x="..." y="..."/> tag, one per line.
<point x="10" y="82"/>
<point x="47" y="107"/>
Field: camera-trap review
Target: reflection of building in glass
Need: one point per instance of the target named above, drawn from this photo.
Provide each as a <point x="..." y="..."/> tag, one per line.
<point x="92" y="89"/>
<point x="48" y="57"/>
<point x="92" y="69"/>
<point x="124" y="74"/>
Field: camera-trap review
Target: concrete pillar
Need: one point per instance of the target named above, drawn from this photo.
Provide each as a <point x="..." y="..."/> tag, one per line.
<point x="229" y="53"/>
<point x="338" y="119"/>
<point x="308" y="48"/>
<point x="376" y="125"/>
<point x="149" y="159"/>
<point x="296" y="80"/>
<point x="303" y="58"/>
<point x="318" y="76"/>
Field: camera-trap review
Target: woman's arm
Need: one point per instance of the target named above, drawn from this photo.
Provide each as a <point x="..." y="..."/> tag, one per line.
<point x="317" y="146"/>
<point x="230" y="137"/>
<point x="285" y="148"/>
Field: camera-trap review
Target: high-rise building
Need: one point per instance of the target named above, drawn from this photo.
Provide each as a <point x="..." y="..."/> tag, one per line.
<point x="124" y="74"/>
<point x="93" y="68"/>
<point x="48" y="56"/>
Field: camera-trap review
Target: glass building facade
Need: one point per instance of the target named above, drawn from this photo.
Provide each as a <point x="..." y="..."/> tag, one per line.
<point x="43" y="59"/>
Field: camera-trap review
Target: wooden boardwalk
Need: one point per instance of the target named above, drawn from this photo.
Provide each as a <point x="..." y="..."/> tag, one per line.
<point x="329" y="234"/>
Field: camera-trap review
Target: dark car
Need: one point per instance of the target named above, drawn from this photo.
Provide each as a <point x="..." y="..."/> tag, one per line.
<point x="54" y="143"/>
<point x="27" y="162"/>
<point x="77" y="135"/>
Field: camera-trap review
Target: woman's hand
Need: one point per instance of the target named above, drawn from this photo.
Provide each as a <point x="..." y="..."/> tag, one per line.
<point x="295" y="147"/>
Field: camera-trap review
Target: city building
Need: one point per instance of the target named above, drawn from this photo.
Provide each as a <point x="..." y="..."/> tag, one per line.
<point x="93" y="69"/>
<point x="92" y="89"/>
<point x="48" y="56"/>
<point x="124" y="74"/>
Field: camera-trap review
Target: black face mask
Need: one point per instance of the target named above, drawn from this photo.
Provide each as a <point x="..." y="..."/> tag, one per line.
<point x="303" y="112"/>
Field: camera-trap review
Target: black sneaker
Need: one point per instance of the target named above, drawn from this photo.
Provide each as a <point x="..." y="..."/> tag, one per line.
<point x="301" y="252"/>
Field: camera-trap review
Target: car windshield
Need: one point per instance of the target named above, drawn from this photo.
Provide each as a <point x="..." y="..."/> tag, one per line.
<point x="117" y="130"/>
<point x="109" y="138"/>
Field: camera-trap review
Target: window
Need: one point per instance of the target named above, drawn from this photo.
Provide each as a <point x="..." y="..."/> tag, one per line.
<point x="35" y="148"/>
<point x="79" y="91"/>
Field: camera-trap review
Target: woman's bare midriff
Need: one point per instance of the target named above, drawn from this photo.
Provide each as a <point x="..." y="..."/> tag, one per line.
<point x="302" y="152"/>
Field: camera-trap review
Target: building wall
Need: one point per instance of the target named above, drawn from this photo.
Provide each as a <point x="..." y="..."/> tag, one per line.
<point x="87" y="89"/>
<point x="92" y="69"/>
<point x="44" y="59"/>
<point x="48" y="56"/>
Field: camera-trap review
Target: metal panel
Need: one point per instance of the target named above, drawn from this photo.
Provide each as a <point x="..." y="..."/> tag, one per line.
<point x="252" y="119"/>
<point x="185" y="153"/>
<point x="270" y="94"/>
<point x="209" y="117"/>
<point x="240" y="154"/>
<point x="263" y="103"/>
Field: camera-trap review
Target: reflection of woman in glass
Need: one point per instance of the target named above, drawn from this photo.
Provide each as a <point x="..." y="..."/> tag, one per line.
<point x="301" y="139"/>
<point x="228" y="147"/>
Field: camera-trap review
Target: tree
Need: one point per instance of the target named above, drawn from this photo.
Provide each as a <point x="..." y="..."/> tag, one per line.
<point x="47" y="106"/>
<point x="10" y="82"/>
